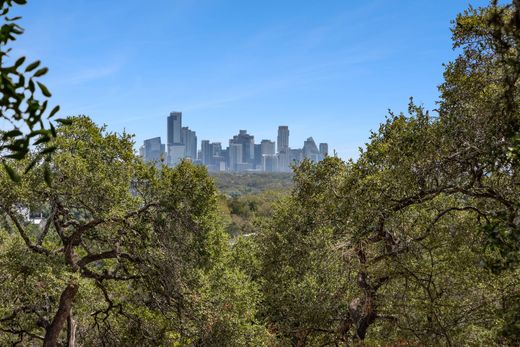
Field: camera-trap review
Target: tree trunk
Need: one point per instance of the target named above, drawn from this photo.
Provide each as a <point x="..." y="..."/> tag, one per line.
<point x="64" y="310"/>
<point x="301" y="338"/>
<point x="363" y="313"/>
<point x="71" y="330"/>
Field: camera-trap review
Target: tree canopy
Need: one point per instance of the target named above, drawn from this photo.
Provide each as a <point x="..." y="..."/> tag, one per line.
<point x="417" y="242"/>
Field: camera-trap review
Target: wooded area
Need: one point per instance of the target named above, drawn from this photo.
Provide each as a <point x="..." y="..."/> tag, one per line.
<point x="417" y="242"/>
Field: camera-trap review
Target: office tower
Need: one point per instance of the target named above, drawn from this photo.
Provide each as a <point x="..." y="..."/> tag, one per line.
<point x="141" y="152"/>
<point x="258" y="156"/>
<point x="295" y="156"/>
<point x="283" y="138"/>
<point x="268" y="147"/>
<point x="189" y="139"/>
<point x="284" y="160"/>
<point x="248" y="146"/>
<point x="174" y="127"/>
<point x="176" y="153"/>
<point x="324" y="149"/>
<point x="206" y="154"/>
<point x="153" y="150"/>
<point x="191" y="145"/>
<point x="225" y="155"/>
<point x="216" y="149"/>
<point x="215" y="157"/>
<point x="310" y="150"/>
<point x="235" y="156"/>
<point x="270" y="163"/>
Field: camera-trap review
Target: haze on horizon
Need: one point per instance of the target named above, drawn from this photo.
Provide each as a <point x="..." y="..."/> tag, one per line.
<point x="330" y="72"/>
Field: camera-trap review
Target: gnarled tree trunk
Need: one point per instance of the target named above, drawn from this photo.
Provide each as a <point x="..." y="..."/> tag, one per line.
<point x="64" y="311"/>
<point x="71" y="330"/>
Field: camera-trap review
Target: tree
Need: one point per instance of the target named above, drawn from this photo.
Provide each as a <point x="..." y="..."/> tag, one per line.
<point x="20" y="108"/>
<point x="113" y="227"/>
<point x="421" y="177"/>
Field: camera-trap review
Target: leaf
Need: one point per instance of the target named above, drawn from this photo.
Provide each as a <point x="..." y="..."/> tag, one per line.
<point x="31" y="165"/>
<point x="13" y="133"/>
<point x="53" y="130"/>
<point x="20" y="2"/>
<point x="64" y="121"/>
<point x="12" y="173"/>
<point x="41" y="72"/>
<point x="49" y="150"/>
<point x="53" y="112"/>
<point x="17" y="156"/>
<point x="32" y="66"/>
<point x="19" y="62"/>
<point x="31" y="86"/>
<point x="44" y="90"/>
<point x="43" y="139"/>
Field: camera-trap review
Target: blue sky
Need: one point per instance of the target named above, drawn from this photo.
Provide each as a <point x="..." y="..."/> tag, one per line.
<point x="329" y="69"/>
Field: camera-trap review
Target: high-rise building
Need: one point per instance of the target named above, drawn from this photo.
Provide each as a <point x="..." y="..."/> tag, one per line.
<point x="248" y="146"/>
<point x="216" y="149"/>
<point x="324" y="149"/>
<point x="176" y="153"/>
<point x="174" y="126"/>
<point x="258" y="156"/>
<point x="225" y="155"/>
<point x="268" y="147"/>
<point x="284" y="160"/>
<point x="235" y="156"/>
<point x="206" y="154"/>
<point x="310" y="150"/>
<point x="269" y="163"/>
<point x="283" y="138"/>
<point x="189" y="139"/>
<point x="153" y="150"/>
<point x="296" y="156"/>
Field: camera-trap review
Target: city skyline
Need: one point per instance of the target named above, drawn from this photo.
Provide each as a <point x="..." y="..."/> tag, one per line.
<point x="242" y="153"/>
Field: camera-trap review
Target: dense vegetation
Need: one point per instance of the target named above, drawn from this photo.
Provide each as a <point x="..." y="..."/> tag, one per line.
<point x="237" y="184"/>
<point x="415" y="243"/>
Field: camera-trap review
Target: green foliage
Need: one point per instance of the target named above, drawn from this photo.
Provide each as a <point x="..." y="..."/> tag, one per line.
<point x="27" y="116"/>
<point x="133" y="254"/>
<point x="414" y="243"/>
<point x="245" y="213"/>
<point x="425" y="223"/>
<point x="237" y="184"/>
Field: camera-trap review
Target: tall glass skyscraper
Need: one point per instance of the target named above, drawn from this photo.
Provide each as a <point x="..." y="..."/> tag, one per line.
<point x="153" y="150"/>
<point x="283" y="138"/>
<point x="174" y="128"/>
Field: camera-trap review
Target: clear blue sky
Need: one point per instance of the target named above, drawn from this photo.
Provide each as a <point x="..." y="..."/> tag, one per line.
<point x="329" y="69"/>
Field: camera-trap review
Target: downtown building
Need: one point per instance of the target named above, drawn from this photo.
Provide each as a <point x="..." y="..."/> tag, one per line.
<point x="241" y="155"/>
<point x="181" y="143"/>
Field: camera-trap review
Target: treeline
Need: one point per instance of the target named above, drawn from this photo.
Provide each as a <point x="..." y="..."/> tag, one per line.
<point x="415" y="243"/>
<point x="238" y="184"/>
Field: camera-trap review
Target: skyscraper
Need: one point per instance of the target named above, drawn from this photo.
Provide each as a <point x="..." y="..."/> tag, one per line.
<point x="283" y="138"/>
<point x="258" y="156"/>
<point x="189" y="139"/>
<point x="324" y="149"/>
<point x="248" y="146"/>
<point x="269" y="163"/>
<point x="310" y="150"/>
<point x="267" y="147"/>
<point x="235" y="156"/>
<point x="206" y="154"/>
<point x="176" y="153"/>
<point x="174" y="127"/>
<point x="153" y="150"/>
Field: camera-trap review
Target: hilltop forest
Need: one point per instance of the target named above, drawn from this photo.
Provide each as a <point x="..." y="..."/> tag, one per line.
<point x="414" y="243"/>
